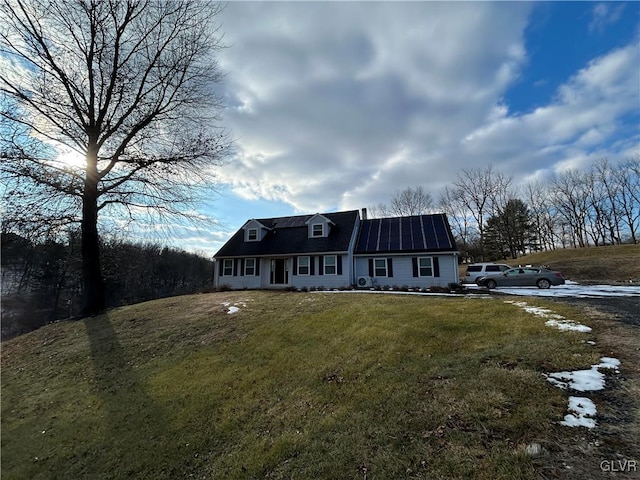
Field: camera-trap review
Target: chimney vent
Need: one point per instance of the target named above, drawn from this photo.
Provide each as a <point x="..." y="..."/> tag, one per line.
<point x="364" y="214"/>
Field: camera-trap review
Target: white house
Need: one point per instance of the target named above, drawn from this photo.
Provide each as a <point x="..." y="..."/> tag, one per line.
<point x="340" y="249"/>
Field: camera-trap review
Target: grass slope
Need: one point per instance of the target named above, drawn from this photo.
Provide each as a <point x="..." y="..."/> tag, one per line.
<point x="294" y="385"/>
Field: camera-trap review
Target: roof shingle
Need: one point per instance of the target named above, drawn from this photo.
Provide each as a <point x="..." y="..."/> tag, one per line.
<point x="289" y="235"/>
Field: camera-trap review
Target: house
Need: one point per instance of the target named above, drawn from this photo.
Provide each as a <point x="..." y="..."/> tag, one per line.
<point x="300" y="251"/>
<point x="340" y="249"/>
<point x="416" y="251"/>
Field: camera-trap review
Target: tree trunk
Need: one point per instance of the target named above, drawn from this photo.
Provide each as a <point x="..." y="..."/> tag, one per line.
<point x="94" y="288"/>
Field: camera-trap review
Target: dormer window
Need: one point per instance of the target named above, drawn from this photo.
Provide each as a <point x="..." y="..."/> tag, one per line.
<point x="318" y="226"/>
<point x="252" y="235"/>
<point x="317" y="230"/>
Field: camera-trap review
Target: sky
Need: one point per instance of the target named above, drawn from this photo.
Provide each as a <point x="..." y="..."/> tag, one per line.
<point x="338" y="105"/>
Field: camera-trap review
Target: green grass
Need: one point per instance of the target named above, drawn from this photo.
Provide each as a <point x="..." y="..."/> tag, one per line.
<point x="294" y="385"/>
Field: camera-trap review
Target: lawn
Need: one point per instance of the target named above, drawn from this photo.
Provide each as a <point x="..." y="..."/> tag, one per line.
<point x="292" y="385"/>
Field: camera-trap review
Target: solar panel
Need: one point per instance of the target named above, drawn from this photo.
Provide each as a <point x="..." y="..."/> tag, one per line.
<point x="441" y="232"/>
<point x="405" y="234"/>
<point x="406" y="238"/>
<point x="416" y="229"/>
<point x="385" y="231"/>
<point x="374" y="244"/>
<point x="427" y="233"/>
<point x="363" y="241"/>
<point x="291" y="222"/>
<point x="394" y="234"/>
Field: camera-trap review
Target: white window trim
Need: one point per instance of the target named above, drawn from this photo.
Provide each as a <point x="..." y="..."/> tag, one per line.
<point x="246" y="267"/>
<point x="249" y="239"/>
<point x="224" y="267"/>
<point x="308" y="265"/>
<point x="430" y="266"/>
<point x="335" y="265"/>
<point x="386" y="267"/>
<point x="313" y="230"/>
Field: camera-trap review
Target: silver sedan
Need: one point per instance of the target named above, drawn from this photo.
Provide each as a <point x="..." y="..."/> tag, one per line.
<point x="522" y="277"/>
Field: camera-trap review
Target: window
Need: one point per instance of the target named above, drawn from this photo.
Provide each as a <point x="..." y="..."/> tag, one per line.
<point x="425" y="267"/>
<point x="303" y="265"/>
<point x="494" y="268"/>
<point x="317" y="230"/>
<point x="227" y="267"/>
<point x="514" y="272"/>
<point x="380" y="267"/>
<point x="252" y="234"/>
<point x="330" y="265"/>
<point x="250" y="267"/>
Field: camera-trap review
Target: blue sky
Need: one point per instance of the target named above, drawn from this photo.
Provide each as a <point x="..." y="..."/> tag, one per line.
<point x="337" y="105"/>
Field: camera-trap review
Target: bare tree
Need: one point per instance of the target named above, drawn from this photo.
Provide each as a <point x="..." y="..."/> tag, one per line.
<point x="411" y="201"/>
<point x="380" y="210"/>
<point x="460" y="217"/>
<point x="407" y="202"/>
<point x="570" y="196"/>
<point x="543" y="215"/>
<point x="627" y="178"/>
<point x="483" y="192"/>
<point x="604" y="176"/>
<point x="126" y="86"/>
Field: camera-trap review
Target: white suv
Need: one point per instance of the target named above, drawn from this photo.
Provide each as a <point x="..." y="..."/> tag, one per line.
<point x="477" y="270"/>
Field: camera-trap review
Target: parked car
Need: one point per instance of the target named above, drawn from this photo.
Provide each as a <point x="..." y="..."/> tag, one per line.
<point x="522" y="277"/>
<point x="477" y="270"/>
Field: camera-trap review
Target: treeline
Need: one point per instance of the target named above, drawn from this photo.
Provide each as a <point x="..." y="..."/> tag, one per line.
<point x="492" y="218"/>
<point x="596" y="206"/>
<point x="41" y="279"/>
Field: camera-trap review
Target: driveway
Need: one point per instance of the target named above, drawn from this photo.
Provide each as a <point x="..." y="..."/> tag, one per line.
<point x="620" y="301"/>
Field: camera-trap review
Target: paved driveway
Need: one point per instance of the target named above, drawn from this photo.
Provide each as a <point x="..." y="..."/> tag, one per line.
<point x="571" y="289"/>
<point x="620" y="301"/>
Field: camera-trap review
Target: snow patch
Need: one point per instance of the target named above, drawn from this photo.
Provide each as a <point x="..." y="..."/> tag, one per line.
<point x="585" y="380"/>
<point x="581" y="409"/>
<point x="233" y="308"/>
<point x="555" y="320"/>
<point x="567" y="325"/>
<point x="581" y="413"/>
<point x="572" y="289"/>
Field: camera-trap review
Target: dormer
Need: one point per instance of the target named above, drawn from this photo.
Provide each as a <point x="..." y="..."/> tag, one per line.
<point x="319" y="226"/>
<point x="254" y="231"/>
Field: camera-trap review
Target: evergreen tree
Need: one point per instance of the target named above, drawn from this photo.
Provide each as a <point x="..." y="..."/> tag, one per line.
<point x="510" y="232"/>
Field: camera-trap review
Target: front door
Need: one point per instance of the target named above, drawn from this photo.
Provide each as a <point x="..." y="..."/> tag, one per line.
<point x="279" y="271"/>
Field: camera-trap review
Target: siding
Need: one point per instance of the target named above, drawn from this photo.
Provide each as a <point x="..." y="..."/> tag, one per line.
<point x="403" y="270"/>
<point x="326" y="281"/>
<point x="238" y="281"/>
<point x="263" y="280"/>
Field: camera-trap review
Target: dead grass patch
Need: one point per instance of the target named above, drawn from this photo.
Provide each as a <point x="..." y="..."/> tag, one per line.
<point x="295" y="385"/>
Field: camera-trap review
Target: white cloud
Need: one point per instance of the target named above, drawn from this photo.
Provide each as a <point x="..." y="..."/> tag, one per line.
<point x="337" y="105"/>
<point x="604" y="15"/>
<point x="584" y="115"/>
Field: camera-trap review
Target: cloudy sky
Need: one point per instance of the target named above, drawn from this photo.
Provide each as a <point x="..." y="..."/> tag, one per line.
<point x="337" y="105"/>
